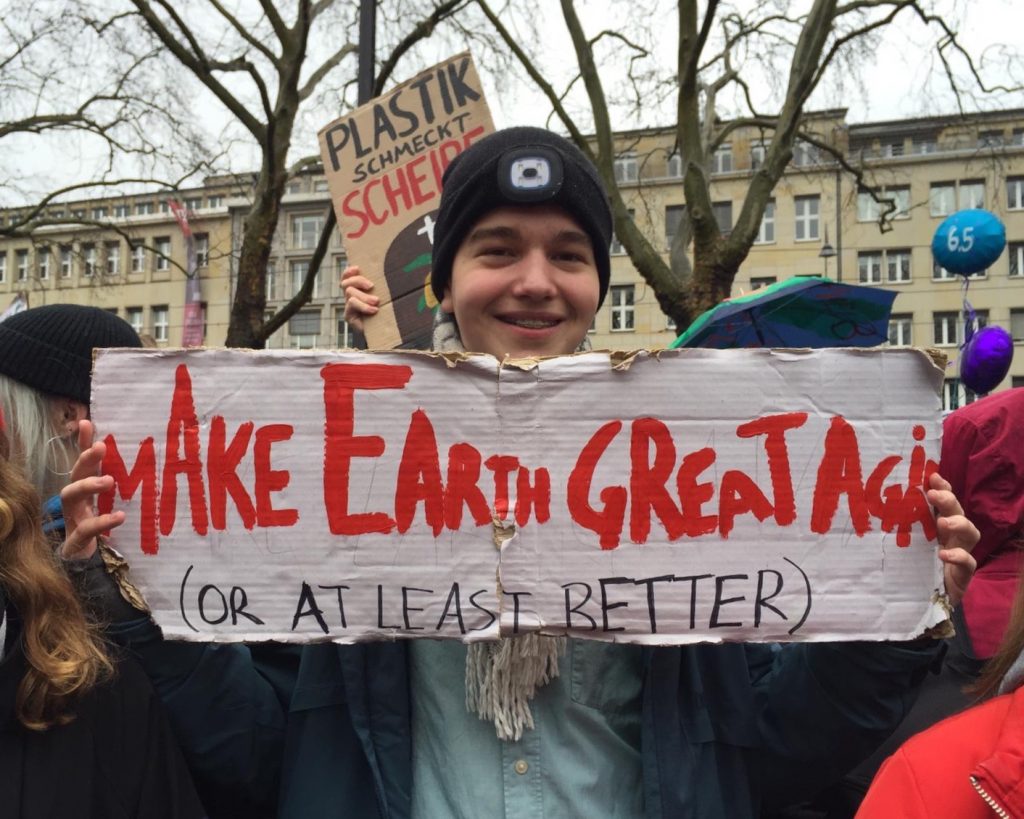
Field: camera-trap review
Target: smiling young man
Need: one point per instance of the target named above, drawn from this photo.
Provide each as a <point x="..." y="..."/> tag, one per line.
<point x="573" y="727"/>
<point x="530" y="726"/>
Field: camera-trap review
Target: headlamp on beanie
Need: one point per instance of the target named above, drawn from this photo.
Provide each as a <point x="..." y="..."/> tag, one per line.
<point x="519" y="166"/>
<point x="530" y="175"/>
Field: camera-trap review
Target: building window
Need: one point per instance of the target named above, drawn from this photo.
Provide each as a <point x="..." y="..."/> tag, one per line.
<point x="88" y="260"/>
<point x="162" y="253"/>
<point x="940" y="274"/>
<point x="616" y="248"/>
<point x="891" y="148"/>
<point x="901" y="329"/>
<point x="723" y="216"/>
<point x="674" y="166"/>
<point x="1015" y="192"/>
<point x="346" y="335"/>
<point x="925" y="145"/>
<point x="43" y="263"/>
<point x="757" y="282"/>
<point x="972" y="194"/>
<point x="306" y="230"/>
<point x="138" y="251"/>
<point x="202" y="245"/>
<point x="143" y="208"/>
<point x="214" y="202"/>
<point x="956" y="395"/>
<point x="869" y="267"/>
<point x="304" y="328"/>
<point x="293" y="187"/>
<point x="942" y="198"/>
<point x="78" y="213"/>
<point x="1017" y="323"/>
<point x="622" y="308"/>
<point x="3" y="266"/>
<point x="270" y="281"/>
<point x="133" y="315"/>
<point x="758" y="151"/>
<point x="766" y="231"/>
<point x="113" y="250"/>
<point x="804" y="154"/>
<point x="721" y="160"/>
<point x="947" y="329"/>
<point x="1016" y="259"/>
<point x="65" y="261"/>
<point x="120" y="211"/>
<point x="160" y="322"/>
<point x="626" y="168"/>
<point x="21" y="264"/>
<point x="99" y="213"/>
<point x="990" y="139"/>
<point x="674" y="215"/>
<point x="298" y="271"/>
<point x="868" y="210"/>
<point x="194" y="203"/>
<point x="165" y="206"/>
<point x="807" y="208"/>
<point x="320" y="186"/>
<point x="897" y="265"/>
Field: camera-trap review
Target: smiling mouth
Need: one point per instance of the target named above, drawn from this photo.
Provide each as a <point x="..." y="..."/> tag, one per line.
<point x="532" y="323"/>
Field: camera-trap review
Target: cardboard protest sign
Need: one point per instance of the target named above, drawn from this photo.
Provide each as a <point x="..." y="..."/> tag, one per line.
<point x="384" y="163"/>
<point x="692" y="495"/>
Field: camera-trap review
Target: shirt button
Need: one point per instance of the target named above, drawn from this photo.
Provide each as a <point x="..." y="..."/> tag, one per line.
<point x="521" y="766"/>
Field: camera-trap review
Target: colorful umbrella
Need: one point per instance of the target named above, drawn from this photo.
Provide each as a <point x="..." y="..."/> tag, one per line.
<point x="805" y="311"/>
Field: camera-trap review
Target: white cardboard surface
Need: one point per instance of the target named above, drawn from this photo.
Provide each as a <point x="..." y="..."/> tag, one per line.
<point x="229" y="532"/>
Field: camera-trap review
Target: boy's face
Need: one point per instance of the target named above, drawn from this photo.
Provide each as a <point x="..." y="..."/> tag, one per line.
<point x="524" y="283"/>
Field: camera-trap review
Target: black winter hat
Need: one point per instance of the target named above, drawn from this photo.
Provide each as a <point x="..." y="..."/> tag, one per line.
<point x="50" y="348"/>
<point x="519" y="166"/>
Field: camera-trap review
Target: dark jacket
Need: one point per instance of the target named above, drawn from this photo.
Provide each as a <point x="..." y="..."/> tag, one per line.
<point x="324" y="730"/>
<point x="117" y="759"/>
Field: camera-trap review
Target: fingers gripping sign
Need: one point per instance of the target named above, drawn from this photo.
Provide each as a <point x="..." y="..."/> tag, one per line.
<point x="957" y="537"/>
<point x="360" y="303"/>
<point x="82" y="525"/>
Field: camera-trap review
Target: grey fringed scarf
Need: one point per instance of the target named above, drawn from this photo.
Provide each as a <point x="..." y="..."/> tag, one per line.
<point x="502" y="677"/>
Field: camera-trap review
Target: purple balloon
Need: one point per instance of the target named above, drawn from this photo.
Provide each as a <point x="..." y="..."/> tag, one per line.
<point x="985" y="359"/>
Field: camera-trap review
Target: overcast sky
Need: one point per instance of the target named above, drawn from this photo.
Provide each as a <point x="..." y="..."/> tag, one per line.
<point x="900" y="79"/>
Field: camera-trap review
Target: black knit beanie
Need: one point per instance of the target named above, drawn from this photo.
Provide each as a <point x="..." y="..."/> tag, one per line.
<point x="519" y="166"/>
<point x="50" y="348"/>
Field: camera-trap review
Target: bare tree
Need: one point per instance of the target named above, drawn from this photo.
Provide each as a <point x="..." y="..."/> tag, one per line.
<point x="262" y="70"/>
<point x="151" y="80"/>
<point x="70" y="90"/>
<point x="719" y="53"/>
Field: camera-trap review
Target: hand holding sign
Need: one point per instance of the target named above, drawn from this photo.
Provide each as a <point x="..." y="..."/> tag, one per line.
<point x="82" y="524"/>
<point x="957" y="537"/>
<point x="359" y="301"/>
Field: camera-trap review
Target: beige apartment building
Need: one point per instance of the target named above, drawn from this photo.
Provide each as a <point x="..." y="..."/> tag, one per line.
<point x="931" y="167"/>
<point x="126" y="254"/>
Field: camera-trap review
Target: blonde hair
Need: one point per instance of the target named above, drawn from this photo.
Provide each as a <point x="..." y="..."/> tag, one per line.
<point x="39" y="446"/>
<point x="64" y="653"/>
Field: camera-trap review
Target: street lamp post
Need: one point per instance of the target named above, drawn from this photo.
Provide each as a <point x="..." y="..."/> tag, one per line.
<point x="826" y="252"/>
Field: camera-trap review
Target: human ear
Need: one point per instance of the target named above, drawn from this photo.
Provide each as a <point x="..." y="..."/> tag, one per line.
<point x="446" y="303"/>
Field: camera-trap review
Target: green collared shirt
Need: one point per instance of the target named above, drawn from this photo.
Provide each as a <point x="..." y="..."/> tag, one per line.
<point x="582" y="759"/>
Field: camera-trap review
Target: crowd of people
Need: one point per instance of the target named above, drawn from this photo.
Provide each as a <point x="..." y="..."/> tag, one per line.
<point x="101" y="717"/>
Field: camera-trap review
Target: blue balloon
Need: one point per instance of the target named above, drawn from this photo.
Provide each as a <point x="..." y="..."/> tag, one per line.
<point x="968" y="241"/>
<point x="985" y="359"/>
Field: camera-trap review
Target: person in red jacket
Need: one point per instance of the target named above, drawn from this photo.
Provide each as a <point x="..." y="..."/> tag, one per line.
<point x="969" y="765"/>
<point x="983" y="458"/>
